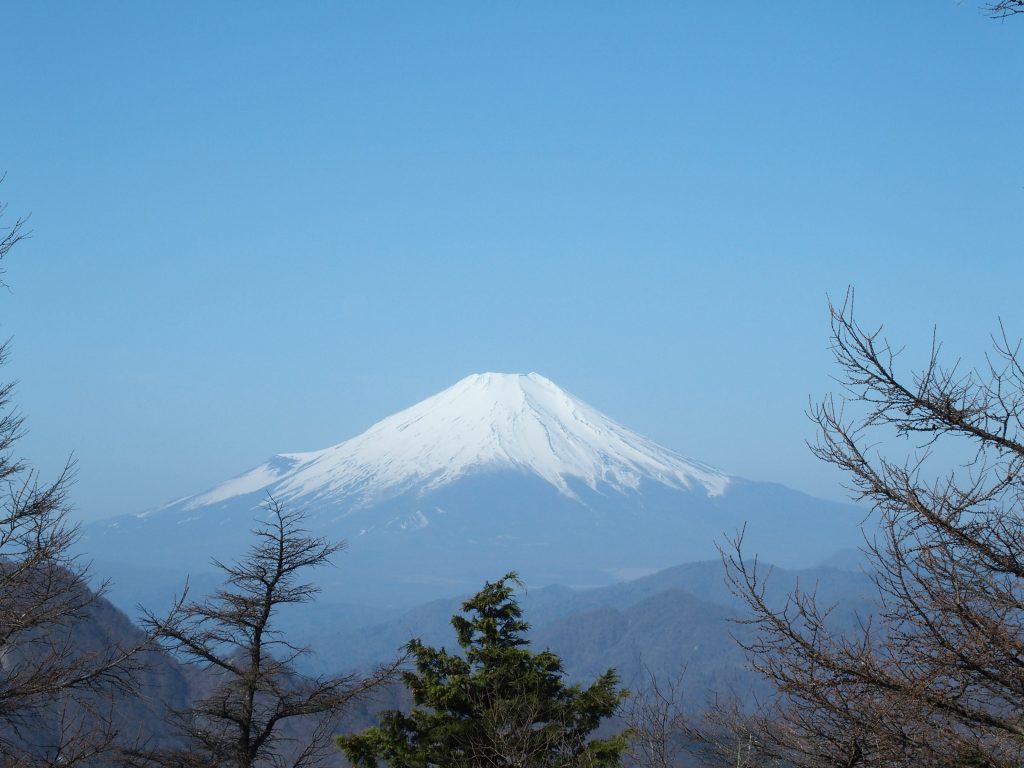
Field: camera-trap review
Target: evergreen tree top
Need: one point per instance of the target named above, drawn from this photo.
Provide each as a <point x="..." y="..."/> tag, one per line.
<point x="497" y="703"/>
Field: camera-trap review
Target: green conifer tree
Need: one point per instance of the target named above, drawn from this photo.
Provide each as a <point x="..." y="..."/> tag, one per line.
<point x="497" y="704"/>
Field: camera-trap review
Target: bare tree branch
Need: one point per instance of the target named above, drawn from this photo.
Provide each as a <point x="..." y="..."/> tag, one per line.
<point x="937" y="676"/>
<point x="54" y="689"/>
<point x="232" y="634"/>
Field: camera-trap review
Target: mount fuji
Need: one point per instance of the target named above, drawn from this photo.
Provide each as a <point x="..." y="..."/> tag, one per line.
<point x="497" y="472"/>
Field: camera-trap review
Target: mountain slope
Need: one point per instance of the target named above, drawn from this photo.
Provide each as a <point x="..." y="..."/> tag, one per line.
<point x="485" y="422"/>
<point x="498" y="472"/>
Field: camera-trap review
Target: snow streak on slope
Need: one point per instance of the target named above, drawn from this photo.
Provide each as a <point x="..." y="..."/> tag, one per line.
<point x="488" y="421"/>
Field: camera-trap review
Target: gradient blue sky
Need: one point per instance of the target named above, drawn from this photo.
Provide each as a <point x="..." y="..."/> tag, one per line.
<point x="261" y="227"/>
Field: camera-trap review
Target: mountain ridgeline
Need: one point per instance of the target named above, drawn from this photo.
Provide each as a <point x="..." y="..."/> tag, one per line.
<point x="497" y="472"/>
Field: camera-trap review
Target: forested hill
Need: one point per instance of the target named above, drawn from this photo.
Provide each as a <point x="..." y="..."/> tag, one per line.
<point x="676" y="619"/>
<point x="674" y="624"/>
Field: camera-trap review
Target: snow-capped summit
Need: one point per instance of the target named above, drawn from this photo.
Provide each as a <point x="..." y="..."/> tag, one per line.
<point x="498" y="472"/>
<point x="486" y="421"/>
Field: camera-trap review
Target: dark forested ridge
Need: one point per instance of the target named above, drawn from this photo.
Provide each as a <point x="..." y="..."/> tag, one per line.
<point x="138" y="715"/>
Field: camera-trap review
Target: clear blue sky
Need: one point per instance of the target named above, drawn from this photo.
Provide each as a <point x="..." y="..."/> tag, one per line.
<point x="261" y="227"/>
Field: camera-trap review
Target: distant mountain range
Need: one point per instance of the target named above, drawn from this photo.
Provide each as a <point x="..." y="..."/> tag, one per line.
<point x="674" y="624"/>
<point x="498" y="472"/>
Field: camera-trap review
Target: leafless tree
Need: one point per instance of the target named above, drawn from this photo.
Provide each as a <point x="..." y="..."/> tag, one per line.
<point x="936" y="677"/>
<point x="12" y="235"/>
<point x="1004" y="8"/>
<point x="54" y="690"/>
<point x="261" y="711"/>
<point x="657" y="722"/>
<point x="667" y="734"/>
